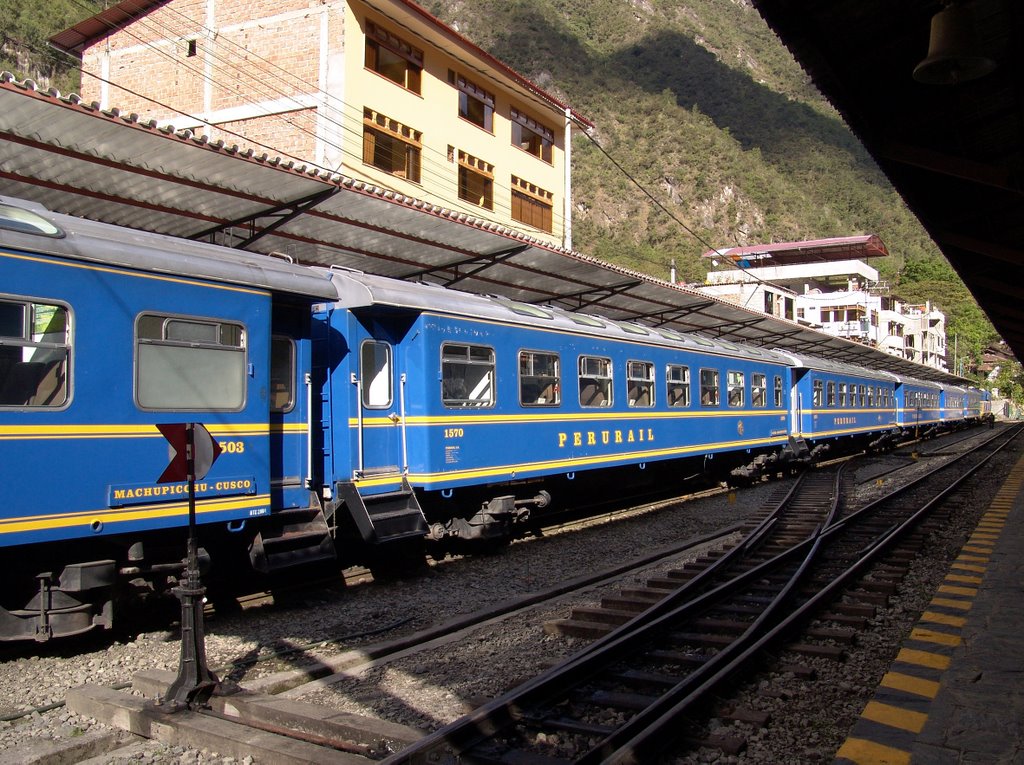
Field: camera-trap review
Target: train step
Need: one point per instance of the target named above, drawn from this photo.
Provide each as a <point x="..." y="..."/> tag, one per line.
<point x="290" y="538"/>
<point x="383" y="518"/>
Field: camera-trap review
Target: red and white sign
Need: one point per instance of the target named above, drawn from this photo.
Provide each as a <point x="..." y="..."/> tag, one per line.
<point x="205" y="447"/>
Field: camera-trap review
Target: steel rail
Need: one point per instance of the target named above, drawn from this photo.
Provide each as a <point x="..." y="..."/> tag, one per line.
<point x="650" y="736"/>
<point x="485" y="722"/>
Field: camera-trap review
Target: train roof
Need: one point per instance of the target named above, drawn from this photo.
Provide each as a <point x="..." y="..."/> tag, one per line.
<point x="360" y="290"/>
<point x="29" y="226"/>
<point x="904" y="380"/>
<point x="801" y="361"/>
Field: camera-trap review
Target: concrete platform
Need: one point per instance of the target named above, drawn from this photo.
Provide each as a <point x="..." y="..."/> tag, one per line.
<point x="955" y="693"/>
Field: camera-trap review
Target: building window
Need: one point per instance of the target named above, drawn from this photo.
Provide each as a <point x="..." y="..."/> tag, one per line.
<point x="709" y="391"/>
<point x="475" y="104"/>
<point x="467" y="375"/>
<point x="640" y="383"/>
<point x="476" y="181"/>
<point x="531" y="136"/>
<point x="539" y="379"/>
<point x="392" y="57"/>
<point x="189" y="364"/>
<point x="531" y="204"/>
<point x="391" y="146"/>
<point x="758" y="390"/>
<point x="595" y="381"/>
<point x="735" y="386"/>
<point x="678" y="385"/>
<point x="35" y="342"/>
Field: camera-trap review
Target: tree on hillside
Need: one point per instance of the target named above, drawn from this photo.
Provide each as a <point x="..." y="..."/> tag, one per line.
<point x="24" y="50"/>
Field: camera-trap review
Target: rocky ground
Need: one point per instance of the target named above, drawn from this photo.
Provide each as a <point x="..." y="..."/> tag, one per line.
<point x="429" y="690"/>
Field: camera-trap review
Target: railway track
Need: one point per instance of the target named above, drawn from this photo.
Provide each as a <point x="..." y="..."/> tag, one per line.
<point x="633" y="693"/>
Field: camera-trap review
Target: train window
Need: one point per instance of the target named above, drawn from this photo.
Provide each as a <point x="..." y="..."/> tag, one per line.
<point x="735" y="384"/>
<point x="595" y="381"/>
<point x="525" y="309"/>
<point x="282" y="374"/>
<point x="27" y="222"/>
<point x="467" y="375"/>
<point x="640" y="383"/>
<point x="189" y="364"/>
<point x="34" y="350"/>
<point x="710" y="392"/>
<point x="816" y="393"/>
<point x="860" y="396"/>
<point x="842" y="394"/>
<point x="758" y="390"/>
<point x="586" y="321"/>
<point x="830" y="393"/>
<point x="778" y="393"/>
<point x="633" y="329"/>
<point x="871" y="396"/>
<point x="540" y="381"/>
<point x="670" y="334"/>
<point x="375" y="374"/>
<point x="677" y="385"/>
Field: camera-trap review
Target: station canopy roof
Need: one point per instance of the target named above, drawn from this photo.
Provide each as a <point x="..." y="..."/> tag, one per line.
<point x="74" y="158"/>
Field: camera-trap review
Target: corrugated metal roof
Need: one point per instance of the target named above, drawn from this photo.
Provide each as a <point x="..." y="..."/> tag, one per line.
<point x="808" y="251"/>
<point x="74" y="158"/>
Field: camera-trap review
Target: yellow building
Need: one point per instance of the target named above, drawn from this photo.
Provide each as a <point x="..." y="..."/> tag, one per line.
<point x="381" y="91"/>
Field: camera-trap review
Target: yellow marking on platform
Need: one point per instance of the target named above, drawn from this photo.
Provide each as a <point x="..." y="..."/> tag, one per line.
<point x="923" y="658"/>
<point x="976" y="549"/>
<point x="947" y="619"/>
<point x="950" y="589"/>
<point x="976" y="558"/>
<point x="961" y="605"/>
<point x="931" y="636"/>
<point x="894" y="717"/>
<point x="916" y="685"/>
<point x="970" y="567"/>
<point x="864" y="752"/>
<point x="963" y="578"/>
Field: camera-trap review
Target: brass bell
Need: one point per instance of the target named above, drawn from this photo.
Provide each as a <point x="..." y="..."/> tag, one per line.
<point x="953" y="53"/>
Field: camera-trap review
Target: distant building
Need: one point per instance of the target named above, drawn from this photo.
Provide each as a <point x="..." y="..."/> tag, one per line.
<point x="825" y="284"/>
<point x="382" y="92"/>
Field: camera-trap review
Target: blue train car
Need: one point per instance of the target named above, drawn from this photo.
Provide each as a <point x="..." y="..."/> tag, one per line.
<point x="489" y="403"/>
<point x="834" y="402"/>
<point x="918" y="407"/>
<point x="106" y="333"/>
<point x="977" y="404"/>
<point x="952" y="406"/>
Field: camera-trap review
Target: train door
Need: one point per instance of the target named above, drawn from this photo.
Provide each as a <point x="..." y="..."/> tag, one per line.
<point x="380" y="408"/>
<point x="796" y="402"/>
<point x="290" y="419"/>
